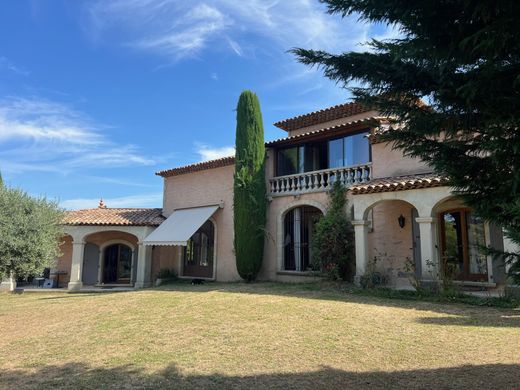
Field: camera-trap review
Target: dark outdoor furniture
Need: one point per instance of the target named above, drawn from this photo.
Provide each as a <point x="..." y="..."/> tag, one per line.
<point x="38" y="282"/>
<point x="58" y="273"/>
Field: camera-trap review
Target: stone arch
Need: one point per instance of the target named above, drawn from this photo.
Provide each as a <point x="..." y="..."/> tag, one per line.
<point x="96" y="243"/>
<point x="280" y="225"/>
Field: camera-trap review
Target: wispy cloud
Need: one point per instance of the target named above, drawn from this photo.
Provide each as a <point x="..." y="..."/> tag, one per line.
<point x="179" y="29"/>
<point x="38" y="134"/>
<point x="153" y="199"/>
<point x="5" y="63"/>
<point x="207" y="152"/>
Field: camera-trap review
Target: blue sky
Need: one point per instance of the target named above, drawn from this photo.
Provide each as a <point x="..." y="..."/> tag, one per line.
<point x="96" y="96"/>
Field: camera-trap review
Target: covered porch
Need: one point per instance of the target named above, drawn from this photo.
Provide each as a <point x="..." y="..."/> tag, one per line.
<point x="412" y="228"/>
<point x="103" y="248"/>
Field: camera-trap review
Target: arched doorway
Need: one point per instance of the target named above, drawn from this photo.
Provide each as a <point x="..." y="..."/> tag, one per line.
<point x="199" y="253"/>
<point x="298" y="228"/>
<point x="117" y="264"/>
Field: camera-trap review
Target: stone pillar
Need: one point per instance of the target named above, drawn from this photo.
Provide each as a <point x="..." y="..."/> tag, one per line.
<point x="144" y="266"/>
<point x="76" y="268"/>
<point x="429" y="251"/>
<point x="8" y="284"/>
<point x="361" y="240"/>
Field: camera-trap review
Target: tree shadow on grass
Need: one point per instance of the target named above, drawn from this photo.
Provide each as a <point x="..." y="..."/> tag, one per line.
<point x="457" y="313"/>
<point x="83" y="376"/>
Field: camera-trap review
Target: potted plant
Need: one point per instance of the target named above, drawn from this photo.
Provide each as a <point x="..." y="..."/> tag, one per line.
<point x="165" y="275"/>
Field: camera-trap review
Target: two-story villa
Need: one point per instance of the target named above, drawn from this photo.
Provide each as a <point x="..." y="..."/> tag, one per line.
<point x="401" y="211"/>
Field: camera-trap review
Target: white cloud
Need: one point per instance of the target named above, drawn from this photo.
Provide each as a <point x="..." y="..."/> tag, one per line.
<point x="5" y="63"/>
<point x="207" y="152"/>
<point x="178" y="29"/>
<point x="153" y="199"/>
<point x="42" y="135"/>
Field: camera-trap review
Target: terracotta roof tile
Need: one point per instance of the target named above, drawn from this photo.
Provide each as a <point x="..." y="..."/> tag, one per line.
<point x="400" y="183"/>
<point x="327" y="114"/>
<point x="115" y="217"/>
<point x="332" y="129"/>
<point x="220" y="162"/>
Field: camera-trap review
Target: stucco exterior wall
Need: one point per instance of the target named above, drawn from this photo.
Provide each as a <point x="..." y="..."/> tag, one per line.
<point x="208" y="187"/>
<point x="102" y="237"/>
<point x="63" y="262"/>
<point x="335" y="122"/>
<point x="276" y="209"/>
<point x="389" y="245"/>
<point x="388" y="162"/>
<point x="165" y="257"/>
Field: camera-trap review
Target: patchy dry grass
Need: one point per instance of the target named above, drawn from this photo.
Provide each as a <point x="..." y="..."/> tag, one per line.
<point x="252" y="336"/>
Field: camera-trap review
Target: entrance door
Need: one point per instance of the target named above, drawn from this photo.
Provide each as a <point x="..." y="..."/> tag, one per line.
<point x="462" y="236"/>
<point x="199" y="252"/>
<point x="117" y="265"/>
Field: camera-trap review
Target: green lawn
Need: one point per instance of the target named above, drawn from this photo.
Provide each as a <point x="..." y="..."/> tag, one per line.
<point x="253" y="336"/>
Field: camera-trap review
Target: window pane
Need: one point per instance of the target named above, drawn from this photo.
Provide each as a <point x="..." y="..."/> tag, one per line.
<point x="336" y="153"/>
<point x="287" y="161"/>
<point x="357" y="149"/>
<point x="125" y="262"/>
<point x="476" y="240"/>
<point x="453" y="240"/>
<point x="315" y="157"/>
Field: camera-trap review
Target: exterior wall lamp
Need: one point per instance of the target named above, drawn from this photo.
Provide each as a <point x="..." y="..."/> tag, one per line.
<point x="401" y="219"/>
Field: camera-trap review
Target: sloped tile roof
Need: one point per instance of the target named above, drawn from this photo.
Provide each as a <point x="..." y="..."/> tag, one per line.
<point x="327" y="114"/>
<point x="114" y="217"/>
<point x="332" y="130"/>
<point x="400" y="183"/>
<point x="220" y="162"/>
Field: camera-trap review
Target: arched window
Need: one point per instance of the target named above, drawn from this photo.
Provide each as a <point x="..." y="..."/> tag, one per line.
<point x="199" y="252"/>
<point x="299" y="225"/>
<point x="117" y="264"/>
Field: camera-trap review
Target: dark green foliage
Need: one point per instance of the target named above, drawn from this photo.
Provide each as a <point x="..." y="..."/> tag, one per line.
<point x="463" y="58"/>
<point x="250" y="199"/>
<point x="29" y="233"/>
<point x="333" y="241"/>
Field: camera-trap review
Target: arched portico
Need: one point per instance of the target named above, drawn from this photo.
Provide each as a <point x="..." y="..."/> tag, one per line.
<point x="423" y="201"/>
<point x="103" y="237"/>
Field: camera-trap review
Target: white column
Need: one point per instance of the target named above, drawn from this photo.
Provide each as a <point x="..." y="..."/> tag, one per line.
<point x="8" y="284"/>
<point x="144" y="266"/>
<point x="429" y="255"/>
<point x="76" y="268"/>
<point x="101" y="259"/>
<point x="361" y="240"/>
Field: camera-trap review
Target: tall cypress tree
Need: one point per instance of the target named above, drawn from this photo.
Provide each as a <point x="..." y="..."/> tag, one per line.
<point x="463" y="58"/>
<point x="249" y="200"/>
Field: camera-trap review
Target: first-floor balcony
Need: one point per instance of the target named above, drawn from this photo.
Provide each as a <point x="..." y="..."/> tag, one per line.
<point x="319" y="181"/>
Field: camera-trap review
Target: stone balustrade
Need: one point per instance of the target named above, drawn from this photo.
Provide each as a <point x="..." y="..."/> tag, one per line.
<point x="318" y="181"/>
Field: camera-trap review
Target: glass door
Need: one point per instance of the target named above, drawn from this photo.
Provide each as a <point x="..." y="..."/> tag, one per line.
<point x="462" y="239"/>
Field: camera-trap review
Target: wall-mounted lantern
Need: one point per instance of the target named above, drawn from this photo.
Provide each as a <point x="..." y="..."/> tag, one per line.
<point x="401" y="221"/>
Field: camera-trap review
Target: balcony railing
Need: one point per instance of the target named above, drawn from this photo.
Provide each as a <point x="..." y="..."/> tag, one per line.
<point x="318" y="181"/>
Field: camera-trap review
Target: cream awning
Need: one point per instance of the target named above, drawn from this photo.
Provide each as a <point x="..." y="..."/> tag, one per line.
<point x="180" y="226"/>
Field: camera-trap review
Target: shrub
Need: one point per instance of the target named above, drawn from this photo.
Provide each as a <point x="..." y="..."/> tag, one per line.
<point x="333" y="241"/>
<point x="167" y="273"/>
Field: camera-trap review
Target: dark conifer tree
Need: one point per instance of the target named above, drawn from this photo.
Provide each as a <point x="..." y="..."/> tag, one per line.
<point x="462" y="58"/>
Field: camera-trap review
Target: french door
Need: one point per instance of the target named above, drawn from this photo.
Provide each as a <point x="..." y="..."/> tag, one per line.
<point x="462" y="239"/>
